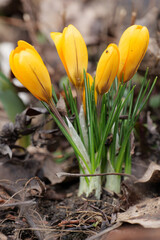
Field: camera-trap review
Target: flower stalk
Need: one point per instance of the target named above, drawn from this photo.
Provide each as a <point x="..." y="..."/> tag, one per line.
<point x="57" y="114"/>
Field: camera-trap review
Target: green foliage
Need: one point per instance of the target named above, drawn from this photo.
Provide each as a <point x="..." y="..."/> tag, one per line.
<point x="115" y="114"/>
<point x="9" y="98"/>
<point x="154" y="101"/>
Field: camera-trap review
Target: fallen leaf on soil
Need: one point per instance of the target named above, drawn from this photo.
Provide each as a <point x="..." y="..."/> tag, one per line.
<point x="2" y="236"/>
<point x="4" y="196"/>
<point x="145" y="187"/>
<point x="35" y="187"/>
<point x="5" y="150"/>
<point x="146" y="213"/>
<point x="150" y="125"/>
<point x="61" y="106"/>
<point x="152" y="175"/>
<point x="10" y="132"/>
<point x="131" y="232"/>
<point x="50" y="168"/>
<point x="14" y="170"/>
<point x="98" y="235"/>
<point x="37" y="162"/>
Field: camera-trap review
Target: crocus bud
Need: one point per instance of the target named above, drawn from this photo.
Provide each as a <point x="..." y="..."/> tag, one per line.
<point x="72" y="51"/>
<point x="107" y="69"/>
<point x="132" y="47"/>
<point x="28" y="67"/>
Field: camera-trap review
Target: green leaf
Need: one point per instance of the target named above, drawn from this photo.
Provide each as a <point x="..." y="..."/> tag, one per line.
<point x="154" y="101"/>
<point x="9" y="98"/>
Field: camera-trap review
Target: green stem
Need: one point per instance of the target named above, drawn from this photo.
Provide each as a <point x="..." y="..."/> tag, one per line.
<point x="99" y="102"/>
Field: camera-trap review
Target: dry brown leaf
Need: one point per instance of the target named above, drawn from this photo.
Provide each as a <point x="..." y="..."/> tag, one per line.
<point x="4" y="196"/>
<point x="152" y="174"/>
<point x="145" y="187"/>
<point x="150" y="125"/>
<point x="50" y="168"/>
<point x="5" y="150"/>
<point x="132" y="232"/>
<point x="61" y="106"/>
<point x="145" y="213"/>
<point x="2" y="236"/>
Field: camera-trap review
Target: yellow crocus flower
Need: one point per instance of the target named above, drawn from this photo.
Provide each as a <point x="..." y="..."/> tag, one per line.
<point x="107" y="69"/>
<point x="132" y="47"/>
<point x="73" y="53"/>
<point x="28" y="67"/>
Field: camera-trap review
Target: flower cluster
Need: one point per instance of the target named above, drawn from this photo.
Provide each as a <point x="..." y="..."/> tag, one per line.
<point x="100" y="115"/>
<point x="123" y="61"/>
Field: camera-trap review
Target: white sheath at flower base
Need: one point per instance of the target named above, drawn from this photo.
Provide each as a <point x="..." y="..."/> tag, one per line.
<point x="83" y="125"/>
<point x="79" y="145"/>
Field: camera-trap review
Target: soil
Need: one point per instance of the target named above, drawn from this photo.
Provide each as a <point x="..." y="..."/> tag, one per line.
<point x="46" y="211"/>
<point x="70" y="218"/>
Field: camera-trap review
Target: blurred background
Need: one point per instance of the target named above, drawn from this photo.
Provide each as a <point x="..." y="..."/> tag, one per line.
<point x="99" y="21"/>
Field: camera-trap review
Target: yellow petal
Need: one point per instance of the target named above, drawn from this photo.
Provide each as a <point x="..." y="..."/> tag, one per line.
<point x="57" y="39"/>
<point x="132" y="47"/>
<point x="29" y="69"/>
<point x="72" y="51"/>
<point x="107" y="69"/>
